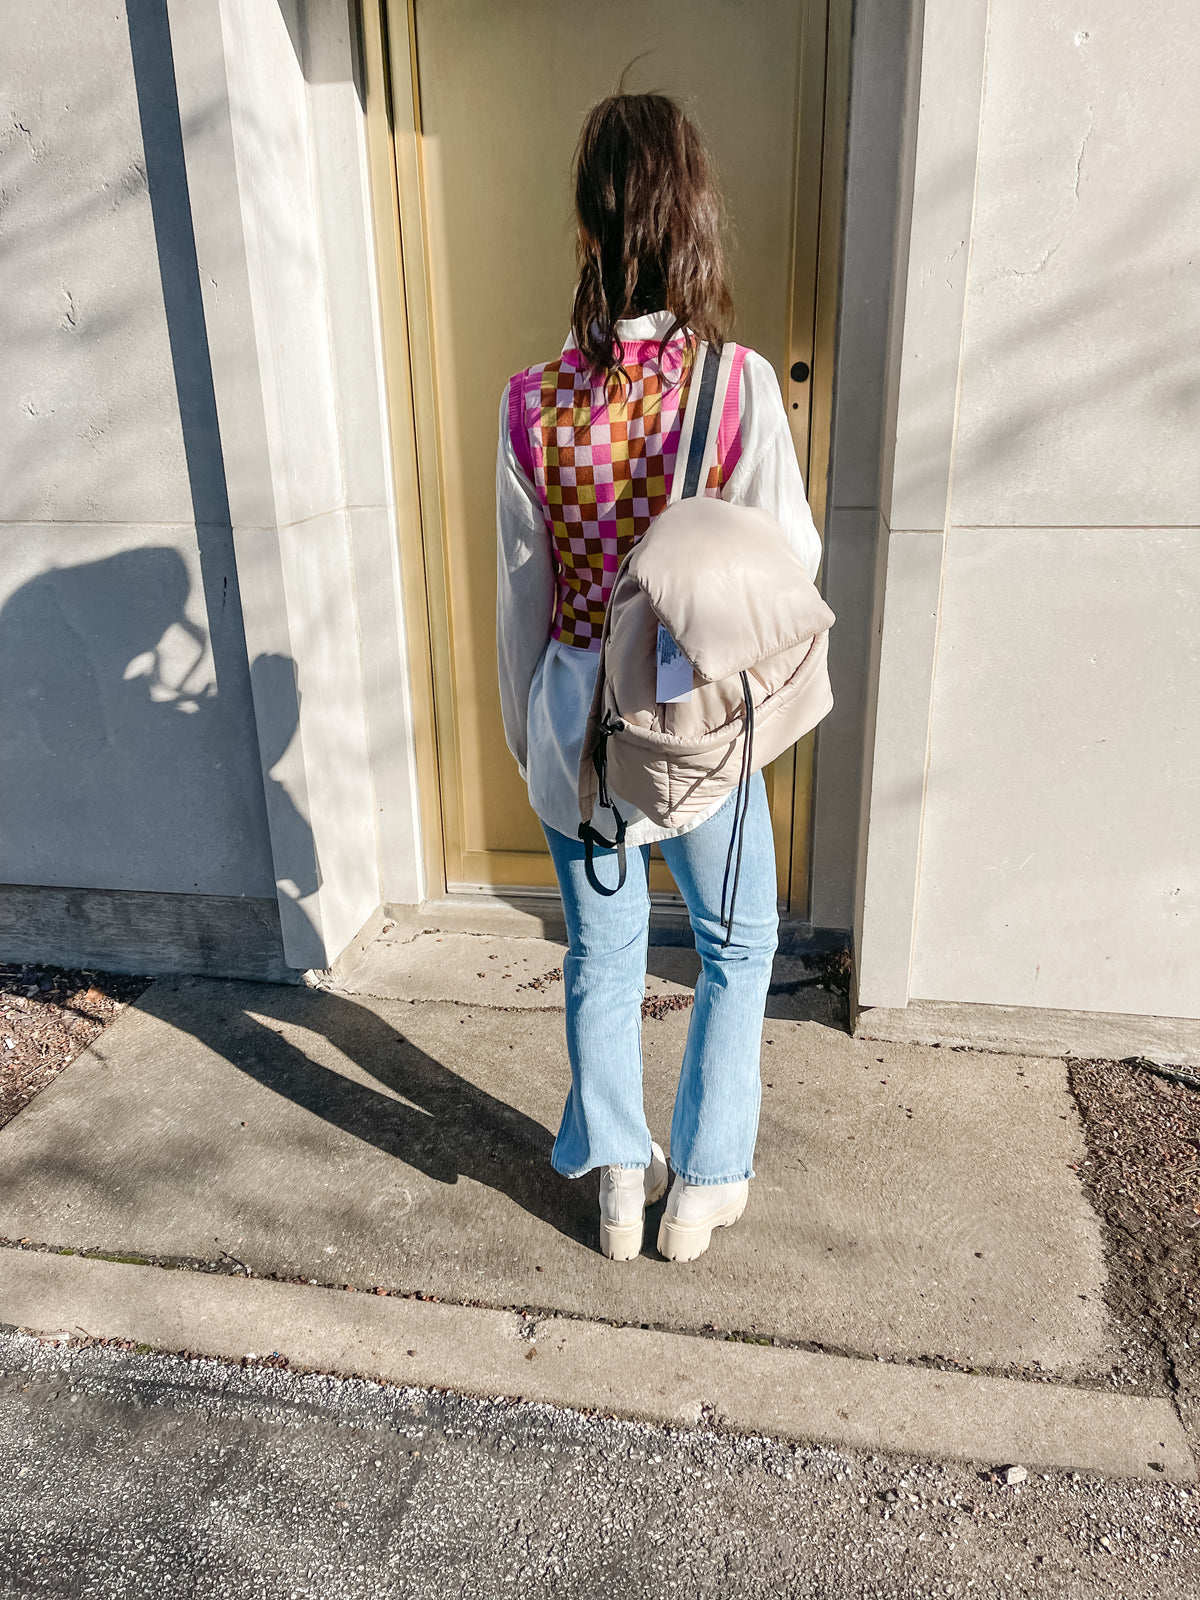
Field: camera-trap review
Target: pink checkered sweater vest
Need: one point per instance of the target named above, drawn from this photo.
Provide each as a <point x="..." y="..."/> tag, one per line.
<point x="602" y="460"/>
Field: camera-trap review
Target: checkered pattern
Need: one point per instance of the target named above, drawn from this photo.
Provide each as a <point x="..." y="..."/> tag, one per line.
<point x="603" y="463"/>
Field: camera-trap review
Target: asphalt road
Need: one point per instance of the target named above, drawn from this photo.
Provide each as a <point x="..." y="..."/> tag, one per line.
<point x="140" y="1475"/>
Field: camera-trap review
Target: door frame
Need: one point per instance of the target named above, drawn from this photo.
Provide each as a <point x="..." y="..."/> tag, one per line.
<point x="393" y="120"/>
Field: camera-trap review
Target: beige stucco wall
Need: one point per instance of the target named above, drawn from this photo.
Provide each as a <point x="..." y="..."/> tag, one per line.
<point x="1034" y="780"/>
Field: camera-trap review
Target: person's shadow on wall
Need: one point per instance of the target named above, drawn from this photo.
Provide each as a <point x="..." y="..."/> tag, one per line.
<point x="110" y="727"/>
<point x="275" y="684"/>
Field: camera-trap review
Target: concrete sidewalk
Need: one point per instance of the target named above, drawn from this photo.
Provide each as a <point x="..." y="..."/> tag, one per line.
<point x="910" y="1203"/>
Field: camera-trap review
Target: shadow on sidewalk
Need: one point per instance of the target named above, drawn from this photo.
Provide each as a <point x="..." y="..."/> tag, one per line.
<point x="411" y="1107"/>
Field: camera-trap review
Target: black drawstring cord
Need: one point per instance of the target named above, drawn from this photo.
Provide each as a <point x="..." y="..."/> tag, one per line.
<point x="591" y="838"/>
<point x="741" y="804"/>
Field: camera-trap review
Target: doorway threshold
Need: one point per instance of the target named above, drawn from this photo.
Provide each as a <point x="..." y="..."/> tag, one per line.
<point x="537" y="914"/>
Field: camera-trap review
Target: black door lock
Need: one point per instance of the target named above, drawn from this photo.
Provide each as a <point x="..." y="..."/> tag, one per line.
<point x="799" y="372"/>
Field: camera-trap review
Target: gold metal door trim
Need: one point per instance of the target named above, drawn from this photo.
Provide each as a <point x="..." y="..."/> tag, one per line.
<point x="819" y="203"/>
<point x="391" y="152"/>
<point x="435" y="544"/>
<point x="402" y="243"/>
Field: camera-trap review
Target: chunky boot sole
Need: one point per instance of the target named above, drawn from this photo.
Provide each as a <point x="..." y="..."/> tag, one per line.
<point x="622" y="1241"/>
<point x="684" y="1241"/>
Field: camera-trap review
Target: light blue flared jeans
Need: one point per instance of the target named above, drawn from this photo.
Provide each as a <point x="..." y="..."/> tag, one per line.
<point x="717" y="1102"/>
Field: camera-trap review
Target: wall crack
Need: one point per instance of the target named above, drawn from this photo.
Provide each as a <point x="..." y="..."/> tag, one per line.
<point x="1048" y="254"/>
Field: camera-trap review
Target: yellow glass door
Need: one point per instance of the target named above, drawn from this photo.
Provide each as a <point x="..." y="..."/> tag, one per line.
<point x="494" y="95"/>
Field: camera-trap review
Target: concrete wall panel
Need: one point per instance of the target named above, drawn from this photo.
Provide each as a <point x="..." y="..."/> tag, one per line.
<point x="936" y="182"/>
<point x="124" y="764"/>
<point x="1059" y="865"/>
<point x="907" y="630"/>
<point x="341" y="182"/>
<point x="851" y="547"/>
<point x="91" y="428"/>
<point x="885" y="60"/>
<point x="1080" y="387"/>
<point x="1048" y="417"/>
<point x="269" y="109"/>
<point x="127" y="747"/>
<point x="276" y="147"/>
<point x="952" y="56"/>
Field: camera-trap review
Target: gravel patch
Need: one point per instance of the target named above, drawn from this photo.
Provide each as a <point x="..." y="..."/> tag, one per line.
<point x="126" y="1474"/>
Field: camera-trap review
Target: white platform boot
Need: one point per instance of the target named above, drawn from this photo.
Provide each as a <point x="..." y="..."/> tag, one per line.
<point x="693" y="1211"/>
<point x="625" y="1192"/>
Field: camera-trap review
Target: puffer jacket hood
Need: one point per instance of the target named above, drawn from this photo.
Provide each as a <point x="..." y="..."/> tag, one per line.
<point x="726" y="585"/>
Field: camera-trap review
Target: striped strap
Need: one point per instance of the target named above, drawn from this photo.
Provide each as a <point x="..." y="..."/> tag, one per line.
<point x="703" y="420"/>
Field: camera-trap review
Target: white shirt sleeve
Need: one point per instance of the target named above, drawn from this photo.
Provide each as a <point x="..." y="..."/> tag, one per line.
<point x="767" y="474"/>
<point x="524" y="589"/>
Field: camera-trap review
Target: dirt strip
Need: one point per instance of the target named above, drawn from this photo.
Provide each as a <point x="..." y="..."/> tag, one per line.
<point x="47" y="1016"/>
<point x="1142" y="1177"/>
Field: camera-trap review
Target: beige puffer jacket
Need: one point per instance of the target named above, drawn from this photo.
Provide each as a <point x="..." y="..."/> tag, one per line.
<point x="737" y="600"/>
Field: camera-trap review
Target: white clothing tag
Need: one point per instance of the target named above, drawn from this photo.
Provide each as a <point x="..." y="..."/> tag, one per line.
<point x="674" y="671"/>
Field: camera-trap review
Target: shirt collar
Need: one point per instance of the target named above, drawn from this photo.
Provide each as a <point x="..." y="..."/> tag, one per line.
<point x="628" y="329"/>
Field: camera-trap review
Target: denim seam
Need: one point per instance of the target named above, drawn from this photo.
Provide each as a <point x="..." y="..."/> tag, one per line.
<point x="707" y="1183"/>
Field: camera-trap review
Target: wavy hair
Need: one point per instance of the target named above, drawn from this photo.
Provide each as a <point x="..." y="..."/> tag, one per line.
<point x="650" y="225"/>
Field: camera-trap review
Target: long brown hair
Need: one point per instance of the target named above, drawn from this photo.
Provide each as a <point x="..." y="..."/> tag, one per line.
<point x="650" y="220"/>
